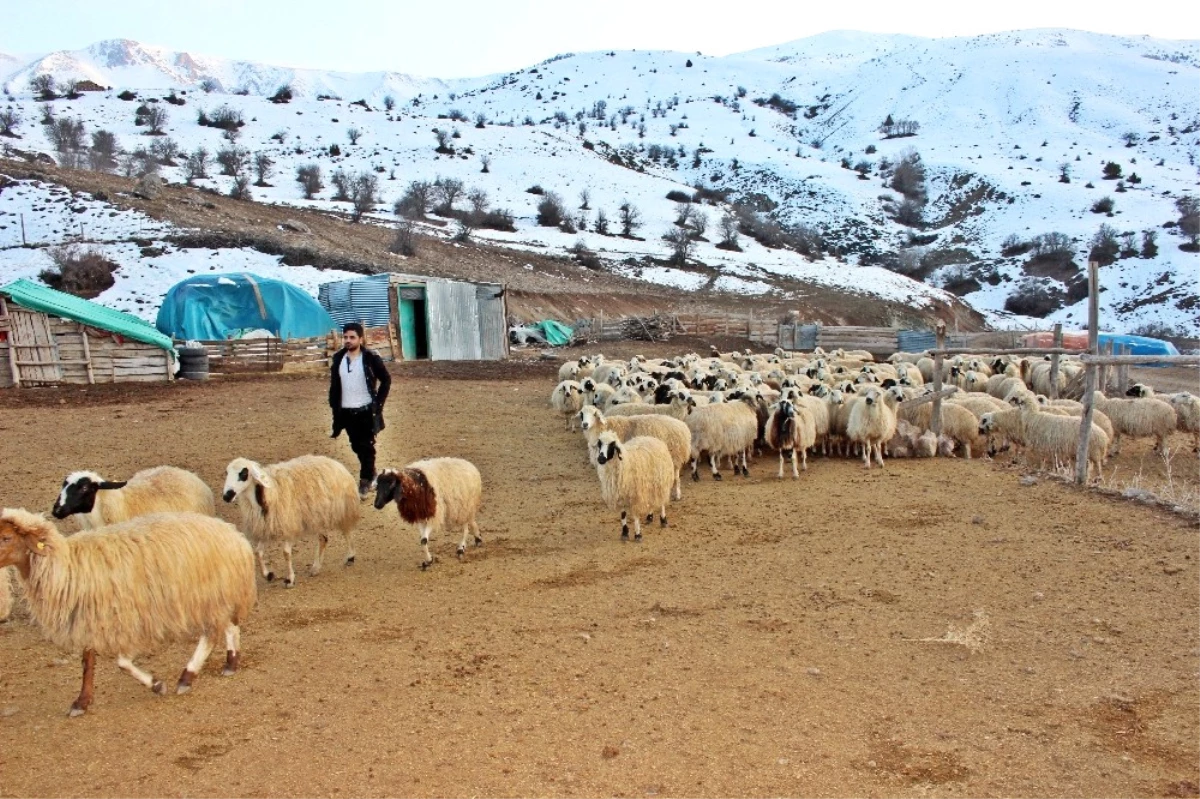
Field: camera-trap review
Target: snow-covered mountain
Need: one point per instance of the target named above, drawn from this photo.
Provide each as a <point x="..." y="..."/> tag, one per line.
<point x="130" y="64"/>
<point x="792" y="131"/>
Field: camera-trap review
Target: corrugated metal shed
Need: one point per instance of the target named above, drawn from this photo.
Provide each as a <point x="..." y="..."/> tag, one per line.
<point x="463" y="320"/>
<point x="364" y="300"/>
<point x="916" y="340"/>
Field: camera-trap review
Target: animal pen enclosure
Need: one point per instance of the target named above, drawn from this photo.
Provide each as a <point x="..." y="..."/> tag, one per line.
<point x="50" y="338"/>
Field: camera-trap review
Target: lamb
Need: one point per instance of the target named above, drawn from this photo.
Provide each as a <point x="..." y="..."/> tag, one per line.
<point x="958" y="423"/>
<point x="635" y="478"/>
<point x="672" y="432"/>
<point x="1141" y="417"/>
<point x="1046" y="436"/>
<point x="791" y="428"/>
<point x="723" y="429"/>
<point x="567" y="398"/>
<point x="162" y="489"/>
<point x="286" y="501"/>
<point x="435" y="494"/>
<point x="568" y="371"/>
<point x="872" y="421"/>
<point x="125" y="589"/>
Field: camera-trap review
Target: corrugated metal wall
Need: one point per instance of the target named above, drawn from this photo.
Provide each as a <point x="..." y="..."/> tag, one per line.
<point x="915" y="340"/>
<point x="493" y="327"/>
<point x="453" y="321"/>
<point x="363" y="300"/>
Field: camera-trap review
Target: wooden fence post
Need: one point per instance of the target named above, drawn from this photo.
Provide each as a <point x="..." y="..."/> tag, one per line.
<point x="1089" y="381"/>
<point x="1058" y="339"/>
<point x="1123" y="373"/>
<point x="935" y="420"/>
<point x="600" y="335"/>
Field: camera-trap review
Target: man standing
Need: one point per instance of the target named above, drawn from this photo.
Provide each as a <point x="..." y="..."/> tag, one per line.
<point x="358" y="388"/>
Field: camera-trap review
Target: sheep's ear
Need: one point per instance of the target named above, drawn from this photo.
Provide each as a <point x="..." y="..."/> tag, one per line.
<point x="108" y="486"/>
<point x="260" y="476"/>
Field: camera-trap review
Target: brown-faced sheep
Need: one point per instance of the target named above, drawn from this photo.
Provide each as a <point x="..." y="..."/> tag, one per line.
<point x="635" y="478"/>
<point x="163" y="489"/>
<point x="435" y="494"/>
<point x="309" y="495"/>
<point x="124" y="590"/>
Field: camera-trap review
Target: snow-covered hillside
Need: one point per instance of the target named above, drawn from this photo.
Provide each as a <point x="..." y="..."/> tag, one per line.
<point x="782" y="130"/>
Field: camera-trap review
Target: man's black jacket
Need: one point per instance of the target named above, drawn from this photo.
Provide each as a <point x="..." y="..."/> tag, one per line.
<point x="379" y="383"/>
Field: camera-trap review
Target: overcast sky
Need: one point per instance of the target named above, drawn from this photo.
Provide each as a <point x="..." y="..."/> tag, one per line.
<point x="469" y="38"/>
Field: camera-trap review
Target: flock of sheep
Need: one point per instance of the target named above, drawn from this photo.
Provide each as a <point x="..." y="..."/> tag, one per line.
<point x="643" y="420"/>
<point x="153" y="564"/>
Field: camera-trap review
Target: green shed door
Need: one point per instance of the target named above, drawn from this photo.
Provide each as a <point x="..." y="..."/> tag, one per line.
<point x="413" y="322"/>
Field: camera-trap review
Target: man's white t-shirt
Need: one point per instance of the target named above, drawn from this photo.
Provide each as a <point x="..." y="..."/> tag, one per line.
<point x="354" y="383"/>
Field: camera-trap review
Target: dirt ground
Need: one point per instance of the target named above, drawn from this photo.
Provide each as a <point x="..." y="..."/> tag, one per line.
<point x="933" y="629"/>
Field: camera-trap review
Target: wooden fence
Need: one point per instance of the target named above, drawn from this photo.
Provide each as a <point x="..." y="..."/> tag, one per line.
<point x="83" y="355"/>
<point x="239" y="356"/>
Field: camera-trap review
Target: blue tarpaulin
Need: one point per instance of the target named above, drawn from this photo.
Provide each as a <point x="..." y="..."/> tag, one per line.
<point x="1138" y="345"/>
<point x="217" y="307"/>
<point x="556" y="333"/>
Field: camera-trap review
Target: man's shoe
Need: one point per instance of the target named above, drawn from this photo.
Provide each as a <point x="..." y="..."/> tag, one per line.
<point x="364" y="488"/>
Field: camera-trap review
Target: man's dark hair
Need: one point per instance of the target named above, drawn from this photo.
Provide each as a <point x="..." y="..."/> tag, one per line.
<point x="356" y="327"/>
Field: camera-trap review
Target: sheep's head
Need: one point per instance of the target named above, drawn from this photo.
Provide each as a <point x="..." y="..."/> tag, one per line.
<point x="22" y="535"/>
<point x="590" y="416"/>
<point x="608" y="448"/>
<point x="415" y="498"/>
<point x="987" y="423"/>
<point x="78" y="494"/>
<point x="588" y="384"/>
<point x="872" y="396"/>
<point x="1139" y="390"/>
<point x="896" y="394"/>
<point x="242" y="474"/>
<point x="387" y="484"/>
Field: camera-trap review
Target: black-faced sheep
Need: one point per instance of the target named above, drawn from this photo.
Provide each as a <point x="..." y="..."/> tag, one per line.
<point x="309" y="495"/>
<point x="635" y="478"/>
<point x="790" y="428"/>
<point x="436" y="495"/>
<point x="163" y="489"/>
<point x="124" y="590"/>
<point x="1186" y="405"/>
<point x="672" y="432"/>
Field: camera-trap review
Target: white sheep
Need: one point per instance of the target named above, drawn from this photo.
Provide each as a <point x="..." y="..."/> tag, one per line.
<point x="790" y="428"/>
<point x="1138" y="417"/>
<point x="724" y="429"/>
<point x="567" y="398"/>
<point x="1186" y="405"/>
<point x="163" y="489"/>
<point x="872" y="422"/>
<point x="672" y="432"/>
<point x="436" y="495"/>
<point x="309" y="495"/>
<point x="126" y="589"/>
<point x="1046" y="437"/>
<point x="635" y="478"/>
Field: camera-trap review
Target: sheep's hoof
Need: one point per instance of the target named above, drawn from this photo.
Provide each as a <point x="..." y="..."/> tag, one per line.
<point x="182" y="689"/>
<point x="478" y="541"/>
<point x="75" y="711"/>
<point x="662" y="522"/>
<point x="270" y="577"/>
<point x="159" y="688"/>
<point x="289" y="582"/>
<point x="695" y="477"/>
<point x="350" y="561"/>
<point x="425" y="564"/>
<point x="717" y="475"/>
<point x="649" y="518"/>
<point x="637" y="539"/>
<point x="745" y="471"/>
<point x="424" y="542"/>
<point x="313" y="571"/>
<point x="461" y="550"/>
<point x="624" y="534"/>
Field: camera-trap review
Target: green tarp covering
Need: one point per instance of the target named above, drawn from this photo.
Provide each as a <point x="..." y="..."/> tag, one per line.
<point x="37" y="297"/>
<point x="556" y="334"/>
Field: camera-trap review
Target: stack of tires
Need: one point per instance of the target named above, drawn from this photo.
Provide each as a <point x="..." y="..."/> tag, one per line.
<point x="193" y="363"/>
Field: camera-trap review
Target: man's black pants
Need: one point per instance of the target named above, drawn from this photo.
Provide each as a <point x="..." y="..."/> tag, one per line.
<point x="360" y="427"/>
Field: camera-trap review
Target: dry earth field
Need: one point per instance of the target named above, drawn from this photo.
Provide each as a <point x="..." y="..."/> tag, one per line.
<point x="933" y="629"/>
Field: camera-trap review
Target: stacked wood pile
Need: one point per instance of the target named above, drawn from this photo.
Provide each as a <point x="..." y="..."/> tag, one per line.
<point x="272" y="355"/>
